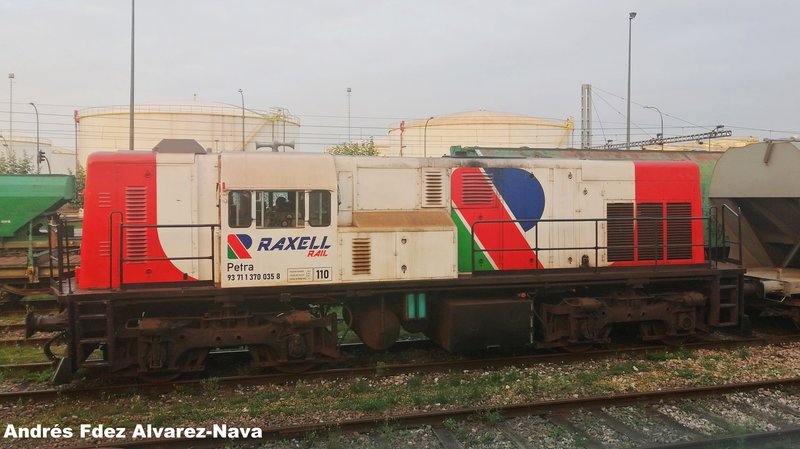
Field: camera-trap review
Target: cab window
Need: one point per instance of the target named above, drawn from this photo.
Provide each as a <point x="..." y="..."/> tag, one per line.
<point x="239" y="209"/>
<point x="319" y="208"/>
<point x="280" y="209"/>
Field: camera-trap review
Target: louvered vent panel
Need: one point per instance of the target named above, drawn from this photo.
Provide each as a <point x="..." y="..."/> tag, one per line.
<point x="476" y="189"/>
<point x="104" y="199"/>
<point x="650" y="233"/>
<point x="620" y="232"/>
<point x="104" y="249"/>
<point x="135" y="213"/>
<point x="679" y="231"/>
<point x="362" y="256"/>
<point x="433" y="188"/>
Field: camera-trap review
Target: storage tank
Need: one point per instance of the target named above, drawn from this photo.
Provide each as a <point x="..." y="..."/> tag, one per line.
<point x="434" y="136"/>
<point x="216" y="126"/>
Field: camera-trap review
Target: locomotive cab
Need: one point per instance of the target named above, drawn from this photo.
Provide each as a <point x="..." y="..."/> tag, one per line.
<point x="278" y="220"/>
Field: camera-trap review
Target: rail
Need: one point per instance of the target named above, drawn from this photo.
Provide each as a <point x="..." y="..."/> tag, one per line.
<point x="123" y="260"/>
<point x="661" y="252"/>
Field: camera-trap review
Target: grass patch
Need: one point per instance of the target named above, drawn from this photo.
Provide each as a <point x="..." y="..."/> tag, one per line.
<point x="626" y="367"/>
<point x="39" y="377"/>
<point x="678" y="354"/>
<point x="373" y="403"/>
<point x="10" y="355"/>
<point x="360" y="386"/>
<point x="492" y="417"/>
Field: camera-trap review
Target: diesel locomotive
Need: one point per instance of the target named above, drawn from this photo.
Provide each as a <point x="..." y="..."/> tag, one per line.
<point x="185" y="252"/>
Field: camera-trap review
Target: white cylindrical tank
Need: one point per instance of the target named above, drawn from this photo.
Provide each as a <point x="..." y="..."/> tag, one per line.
<point x="216" y="126"/>
<point x="434" y="136"/>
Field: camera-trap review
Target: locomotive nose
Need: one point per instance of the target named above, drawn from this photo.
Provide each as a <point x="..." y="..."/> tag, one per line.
<point x="48" y="323"/>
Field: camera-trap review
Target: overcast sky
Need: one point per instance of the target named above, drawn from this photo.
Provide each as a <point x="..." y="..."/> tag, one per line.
<point x="703" y="63"/>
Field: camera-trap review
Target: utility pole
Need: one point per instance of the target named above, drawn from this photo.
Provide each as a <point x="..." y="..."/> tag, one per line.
<point x="631" y="16"/>
<point x="586" y="115"/>
<point x="130" y="111"/>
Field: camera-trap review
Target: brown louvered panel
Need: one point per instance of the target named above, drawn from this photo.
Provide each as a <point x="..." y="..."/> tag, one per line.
<point x="650" y="233"/>
<point x="620" y="232"/>
<point x="679" y="231"/>
<point x="362" y="256"/>
<point x="477" y="189"/>
<point x="433" y="189"/>
<point x="136" y="213"/>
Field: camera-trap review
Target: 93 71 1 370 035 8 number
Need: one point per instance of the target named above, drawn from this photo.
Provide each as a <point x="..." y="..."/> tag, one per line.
<point x="254" y="277"/>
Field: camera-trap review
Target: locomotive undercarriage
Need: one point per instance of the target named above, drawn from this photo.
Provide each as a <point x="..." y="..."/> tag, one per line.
<point x="577" y="323"/>
<point x="169" y="340"/>
<point x="157" y="337"/>
<point x="175" y="345"/>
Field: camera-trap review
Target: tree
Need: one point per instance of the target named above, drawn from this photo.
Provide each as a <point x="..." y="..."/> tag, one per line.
<point x="363" y="148"/>
<point x="80" y="185"/>
<point x="11" y="164"/>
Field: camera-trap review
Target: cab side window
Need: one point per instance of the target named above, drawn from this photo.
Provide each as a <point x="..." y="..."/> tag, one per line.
<point x="319" y="208"/>
<point x="280" y="209"/>
<point x="239" y="209"/>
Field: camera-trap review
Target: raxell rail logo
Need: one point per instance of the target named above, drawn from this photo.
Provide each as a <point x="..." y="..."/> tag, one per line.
<point x="238" y="244"/>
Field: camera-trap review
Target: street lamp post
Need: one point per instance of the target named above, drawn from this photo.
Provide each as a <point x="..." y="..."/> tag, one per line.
<point x="348" y="113"/>
<point x="38" y="151"/>
<point x="425" y="139"/>
<point x="241" y="92"/>
<point x="628" y="133"/>
<point x="10" y="111"/>
<point x="661" y="138"/>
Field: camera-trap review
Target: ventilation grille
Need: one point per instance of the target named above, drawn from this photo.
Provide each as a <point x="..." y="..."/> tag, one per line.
<point x="679" y="231"/>
<point x="362" y="256"/>
<point x="476" y="189"/>
<point x="620" y="232"/>
<point x="104" y="248"/>
<point x="433" y="188"/>
<point x="104" y="199"/>
<point x="136" y="213"/>
<point x="650" y="233"/>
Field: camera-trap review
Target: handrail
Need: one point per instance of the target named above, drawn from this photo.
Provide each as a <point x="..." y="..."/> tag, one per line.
<point x="111" y="245"/>
<point x="659" y="255"/>
<point x="123" y="260"/>
<point x="59" y="253"/>
<point x="738" y="215"/>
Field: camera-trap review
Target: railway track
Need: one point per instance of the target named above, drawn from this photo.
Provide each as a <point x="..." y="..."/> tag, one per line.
<point x="680" y="418"/>
<point x="379" y="368"/>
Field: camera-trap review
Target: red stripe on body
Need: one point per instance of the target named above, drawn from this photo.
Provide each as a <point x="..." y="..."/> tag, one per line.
<point x="494" y="237"/>
<point x="108" y="178"/>
<point x="672" y="182"/>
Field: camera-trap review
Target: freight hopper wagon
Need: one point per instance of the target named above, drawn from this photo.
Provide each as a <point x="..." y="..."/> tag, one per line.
<point x="757" y="193"/>
<point x="26" y="204"/>
<point x="186" y="252"/>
